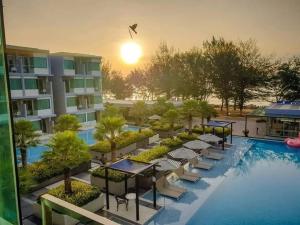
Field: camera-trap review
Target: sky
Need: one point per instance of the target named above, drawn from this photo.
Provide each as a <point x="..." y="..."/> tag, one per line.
<point x="100" y="26"/>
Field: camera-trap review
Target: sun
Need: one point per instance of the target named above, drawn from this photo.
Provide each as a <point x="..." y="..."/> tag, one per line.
<point x="131" y="52"/>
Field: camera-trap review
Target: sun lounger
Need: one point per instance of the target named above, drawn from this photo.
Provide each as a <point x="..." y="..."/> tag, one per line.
<point x="186" y="175"/>
<point x="165" y="188"/>
<point x="212" y="155"/>
<point x="199" y="164"/>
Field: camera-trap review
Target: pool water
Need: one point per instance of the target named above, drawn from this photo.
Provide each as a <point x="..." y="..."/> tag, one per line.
<point x="34" y="154"/>
<point x="263" y="188"/>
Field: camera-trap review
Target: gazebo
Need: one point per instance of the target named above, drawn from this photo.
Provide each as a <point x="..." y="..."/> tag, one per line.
<point x="223" y="125"/>
<point x="131" y="168"/>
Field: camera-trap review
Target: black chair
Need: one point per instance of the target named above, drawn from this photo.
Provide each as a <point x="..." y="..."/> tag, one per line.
<point x="120" y="199"/>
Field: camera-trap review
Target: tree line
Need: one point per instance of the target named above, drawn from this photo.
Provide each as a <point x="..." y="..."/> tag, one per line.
<point x="234" y="72"/>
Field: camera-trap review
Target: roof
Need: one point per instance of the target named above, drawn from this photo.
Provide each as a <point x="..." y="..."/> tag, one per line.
<point x="130" y="166"/>
<point x="70" y="54"/>
<point x="26" y="49"/>
<point x="260" y="111"/>
<point x="215" y="123"/>
<point x="284" y="108"/>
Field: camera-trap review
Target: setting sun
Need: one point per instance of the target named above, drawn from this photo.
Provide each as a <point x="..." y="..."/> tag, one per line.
<point x="131" y="52"/>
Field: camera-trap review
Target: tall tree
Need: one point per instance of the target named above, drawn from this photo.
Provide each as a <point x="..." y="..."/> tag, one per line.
<point x="161" y="106"/>
<point x="108" y="129"/>
<point x="111" y="110"/>
<point x="139" y="111"/>
<point x="189" y="110"/>
<point x="118" y="86"/>
<point x="25" y="137"/>
<point x="206" y="111"/>
<point x="67" y="152"/>
<point x="222" y="63"/>
<point x="67" y="122"/>
<point x="284" y="83"/>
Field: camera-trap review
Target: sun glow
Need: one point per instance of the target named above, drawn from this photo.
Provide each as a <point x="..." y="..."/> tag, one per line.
<point x="131" y="52"/>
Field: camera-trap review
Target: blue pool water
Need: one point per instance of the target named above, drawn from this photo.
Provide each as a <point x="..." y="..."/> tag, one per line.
<point x="262" y="189"/>
<point x="35" y="153"/>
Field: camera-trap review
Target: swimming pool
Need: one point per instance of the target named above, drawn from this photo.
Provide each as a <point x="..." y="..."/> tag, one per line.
<point x="34" y="154"/>
<point x="262" y="188"/>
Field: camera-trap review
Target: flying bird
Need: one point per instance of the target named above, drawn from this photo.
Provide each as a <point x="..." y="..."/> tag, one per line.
<point x="132" y="28"/>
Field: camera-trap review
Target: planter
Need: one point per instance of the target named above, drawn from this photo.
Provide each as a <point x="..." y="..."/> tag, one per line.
<point x="166" y="134"/>
<point x="62" y="219"/>
<point x="116" y="188"/>
<point x="79" y="169"/>
<point x="119" y="152"/>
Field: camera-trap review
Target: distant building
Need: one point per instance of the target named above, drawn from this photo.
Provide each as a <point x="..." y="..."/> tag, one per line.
<point x="31" y="86"/>
<point x="282" y="118"/>
<point x="77" y="86"/>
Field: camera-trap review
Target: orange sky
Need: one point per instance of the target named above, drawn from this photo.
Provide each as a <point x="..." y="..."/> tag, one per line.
<point x="100" y="26"/>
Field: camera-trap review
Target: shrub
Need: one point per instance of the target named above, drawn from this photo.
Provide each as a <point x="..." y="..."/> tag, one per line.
<point x="171" y="142"/>
<point x="124" y="139"/>
<point x="163" y="126"/>
<point x="26" y="181"/>
<point x="199" y="129"/>
<point x="153" y="153"/>
<point x="219" y="131"/>
<point x="186" y="137"/>
<point x="113" y="175"/>
<point x="42" y="171"/>
<point x="82" y="193"/>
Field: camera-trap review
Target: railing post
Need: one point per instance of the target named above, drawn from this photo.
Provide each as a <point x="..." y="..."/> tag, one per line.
<point x="46" y="214"/>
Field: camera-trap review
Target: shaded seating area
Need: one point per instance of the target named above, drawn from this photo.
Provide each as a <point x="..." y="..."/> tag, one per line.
<point x="191" y="156"/>
<point x="130" y="168"/>
<point x="169" y="190"/>
<point x="221" y="124"/>
<point x="186" y="175"/>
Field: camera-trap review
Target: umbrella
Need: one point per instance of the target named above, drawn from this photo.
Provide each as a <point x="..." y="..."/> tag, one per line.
<point x="210" y="138"/>
<point x="183" y="153"/>
<point x="196" y="145"/>
<point x="154" y="117"/>
<point x="165" y="164"/>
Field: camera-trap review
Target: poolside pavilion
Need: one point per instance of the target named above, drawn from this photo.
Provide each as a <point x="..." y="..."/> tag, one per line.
<point x="221" y="124"/>
<point x="282" y="119"/>
<point x="131" y="168"/>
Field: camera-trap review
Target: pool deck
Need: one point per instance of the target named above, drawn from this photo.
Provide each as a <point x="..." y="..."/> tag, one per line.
<point x="179" y="212"/>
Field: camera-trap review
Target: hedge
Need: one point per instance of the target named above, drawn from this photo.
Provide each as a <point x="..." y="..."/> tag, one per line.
<point x="113" y="175"/>
<point x="123" y="140"/>
<point x="171" y="142"/>
<point x="82" y="193"/>
<point x="185" y="136"/>
<point x="218" y="130"/>
<point x="153" y="153"/>
<point x="163" y="126"/>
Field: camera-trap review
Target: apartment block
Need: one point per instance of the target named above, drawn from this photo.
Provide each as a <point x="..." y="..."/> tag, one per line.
<point x="77" y="86"/>
<point x="31" y="86"/>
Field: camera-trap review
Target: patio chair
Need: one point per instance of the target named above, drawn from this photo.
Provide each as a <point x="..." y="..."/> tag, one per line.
<point x="200" y="164"/>
<point x="120" y="199"/>
<point x="186" y="175"/>
<point x="211" y="155"/>
<point x="165" y="188"/>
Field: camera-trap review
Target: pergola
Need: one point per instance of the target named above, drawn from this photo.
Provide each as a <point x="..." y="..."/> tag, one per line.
<point x="223" y="125"/>
<point x="132" y="168"/>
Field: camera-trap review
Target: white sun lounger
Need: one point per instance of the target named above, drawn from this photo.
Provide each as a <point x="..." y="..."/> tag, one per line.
<point x="199" y="164"/>
<point x="165" y="188"/>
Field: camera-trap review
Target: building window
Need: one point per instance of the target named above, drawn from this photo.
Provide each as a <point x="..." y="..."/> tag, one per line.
<point x="97" y="84"/>
<point x="40" y="62"/>
<point x="43" y="104"/>
<point x="69" y="64"/>
<point x="94" y="66"/>
<point x="89" y="83"/>
<point x="36" y="125"/>
<point x="31" y="84"/>
<point x="79" y="83"/>
<point x="81" y="118"/>
<point x="91" y="116"/>
<point x="98" y="99"/>
<point x="71" y="101"/>
<point x="15" y="84"/>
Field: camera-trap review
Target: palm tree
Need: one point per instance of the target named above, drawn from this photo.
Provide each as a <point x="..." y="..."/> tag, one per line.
<point x="190" y="109"/>
<point x="25" y="137"/>
<point x="67" y="122"/>
<point x="206" y="111"/>
<point x="172" y="116"/>
<point x="108" y="129"/>
<point x="139" y="111"/>
<point x="67" y="152"/>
